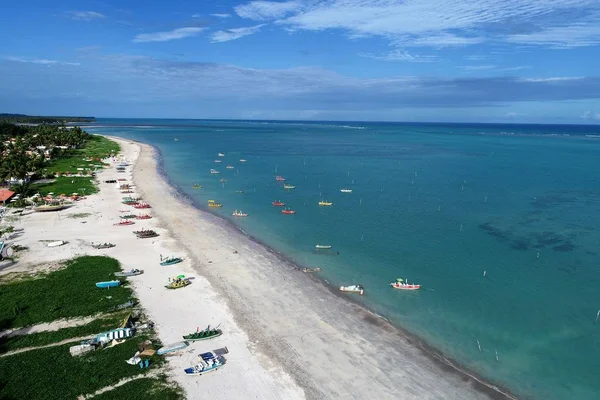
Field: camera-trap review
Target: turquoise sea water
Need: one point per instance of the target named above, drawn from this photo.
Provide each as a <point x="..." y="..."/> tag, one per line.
<point x="437" y="204"/>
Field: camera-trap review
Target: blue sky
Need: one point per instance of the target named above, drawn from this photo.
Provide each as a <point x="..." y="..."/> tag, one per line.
<point x="395" y="60"/>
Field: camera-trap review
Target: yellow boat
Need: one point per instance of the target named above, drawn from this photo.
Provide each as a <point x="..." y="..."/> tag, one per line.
<point x="325" y="203"/>
<point x="212" y="203"/>
<point x="177" y="284"/>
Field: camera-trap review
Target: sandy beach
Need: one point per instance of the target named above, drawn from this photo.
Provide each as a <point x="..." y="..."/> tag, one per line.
<point x="289" y="337"/>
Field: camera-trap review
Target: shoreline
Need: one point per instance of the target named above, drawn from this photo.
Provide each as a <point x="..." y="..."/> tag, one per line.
<point x="466" y="379"/>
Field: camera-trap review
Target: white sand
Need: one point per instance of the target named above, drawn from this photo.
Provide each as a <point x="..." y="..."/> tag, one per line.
<point x="283" y="330"/>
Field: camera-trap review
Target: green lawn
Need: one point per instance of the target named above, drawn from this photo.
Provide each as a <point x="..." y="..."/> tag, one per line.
<point x="67" y="185"/>
<point x="96" y="147"/>
<point x="146" y="388"/>
<point x="69" y="292"/>
<point x="52" y="373"/>
<point x="112" y="321"/>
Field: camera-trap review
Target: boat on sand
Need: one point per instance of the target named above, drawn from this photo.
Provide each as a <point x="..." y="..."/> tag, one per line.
<point x="108" y="284"/>
<point x="353" y="289"/>
<point x="170" y="260"/>
<point x="132" y="272"/>
<point x="103" y="246"/>
<point x="171" y="348"/>
<point x="210" y="362"/>
<point x="178" y="283"/>
<point x="204" y="334"/>
<point x="401" y="284"/>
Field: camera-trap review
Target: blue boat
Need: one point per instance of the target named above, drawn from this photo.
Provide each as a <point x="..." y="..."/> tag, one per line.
<point x="108" y="284"/>
<point x="210" y="362"/>
<point x="172" y="348"/>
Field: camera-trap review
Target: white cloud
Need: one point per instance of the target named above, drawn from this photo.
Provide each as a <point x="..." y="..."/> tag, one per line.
<point x="41" y="61"/>
<point x="85" y="15"/>
<point x="221" y="15"/>
<point x="178" y="33"/>
<point x="267" y="10"/>
<point x="235" y="33"/>
<point x="441" y="23"/>
<point x="590" y="115"/>
<point x="477" y="67"/>
<point x="399" y="55"/>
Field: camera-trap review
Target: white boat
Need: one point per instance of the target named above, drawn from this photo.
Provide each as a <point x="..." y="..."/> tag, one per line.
<point x="353" y="289"/>
<point x="230" y="167"/>
<point x="237" y="213"/>
<point x="218" y="161"/>
<point x="346" y="190"/>
<point x="210" y="362"/>
<point x="221" y="155"/>
<point x="56" y="244"/>
<point x="323" y="246"/>
<point x="214" y="171"/>
<point x="242" y="160"/>
<point x="132" y="272"/>
<point x="171" y="348"/>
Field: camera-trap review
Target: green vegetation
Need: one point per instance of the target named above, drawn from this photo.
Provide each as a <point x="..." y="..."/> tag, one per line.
<point x="66" y="185"/>
<point x="30" y="119"/>
<point x="66" y="293"/>
<point x="52" y="373"/>
<point x="111" y="321"/>
<point x="152" y="389"/>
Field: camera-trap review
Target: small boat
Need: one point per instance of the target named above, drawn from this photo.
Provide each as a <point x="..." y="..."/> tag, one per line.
<point x="323" y="246"/>
<point x="353" y="289"/>
<point x="143" y="216"/>
<point x="308" y="270"/>
<point x="204" y="334"/>
<point x="170" y="261"/>
<point x="223" y="180"/>
<point x="196" y="186"/>
<point x="218" y="161"/>
<point x="210" y="362"/>
<point x="103" y="246"/>
<point x="51" y="208"/>
<point x="280" y="178"/>
<point x="325" y="203"/>
<point x="278" y="203"/>
<point x="145" y="233"/>
<point x="401" y="284"/>
<point x="108" y="284"/>
<point x="288" y="211"/>
<point x="171" y="348"/>
<point x="237" y="213"/>
<point x="141" y="205"/>
<point x="230" y="167"/>
<point x="242" y="160"/>
<point x="286" y="186"/>
<point x="127" y="216"/>
<point x="346" y="190"/>
<point x="56" y="243"/>
<point x="132" y="272"/>
<point x="213" y="204"/>
<point x="127" y="222"/>
<point x="239" y="191"/>
<point x="178" y="283"/>
<point x="214" y="171"/>
<point x="221" y="155"/>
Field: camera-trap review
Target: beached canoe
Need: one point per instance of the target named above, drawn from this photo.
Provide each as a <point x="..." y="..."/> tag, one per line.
<point x="170" y="261"/>
<point x="210" y="362"/>
<point x="56" y="243"/>
<point x="178" y="284"/>
<point x="204" y="334"/>
<point x="108" y="284"/>
<point x="132" y="272"/>
<point x="171" y="348"/>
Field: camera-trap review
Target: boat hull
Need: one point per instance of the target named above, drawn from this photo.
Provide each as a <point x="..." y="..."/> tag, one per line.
<point x="108" y="284"/>
<point x="405" y="287"/>
<point x="203" y="338"/>
<point x="172" y="348"/>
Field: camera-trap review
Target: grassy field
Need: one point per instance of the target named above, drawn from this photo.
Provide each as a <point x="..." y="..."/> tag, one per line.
<point x="152" y="389"/>
<point x="97" y="147"/>
<point x="66" y="293"/>
<point x="111" y="321"/>
<point x="52" y="373"/>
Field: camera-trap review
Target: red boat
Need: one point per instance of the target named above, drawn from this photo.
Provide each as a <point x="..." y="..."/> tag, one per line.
<point x="125" y="223"/>
<point x="405" y="286"/>
<point x="288" y="211"/>
<point x="278" y="203"/>
<point x="142" y="205"/>
<point x="143" y="216"/>
<point x="279" y="178"/>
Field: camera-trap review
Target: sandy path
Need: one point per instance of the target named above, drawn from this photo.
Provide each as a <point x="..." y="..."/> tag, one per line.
<point x="122" y="382"/>
<point x="24" y="349"/>
<point x="50" y="326"/>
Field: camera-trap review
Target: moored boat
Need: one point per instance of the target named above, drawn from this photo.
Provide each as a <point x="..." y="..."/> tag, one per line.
<point x="401" y="284"/>
<point x="286" y="186"/>
<point x="242" y="160"/>
<point x="323" y="246"/>
<point x="280" y="178"/>
<point x="278" y="203"/>
<point x="214" y="171"/>
<point x="239" y="213"/>
<point x="204" y="334"/>
<point x="196" y="186"/>
<point x="218" y="161"/>
<point x="221" y="155"/>
<point x="325" y="203"/>
<point x="230" y="167"/>
<point x="346" y="190"/>
<point x="353" y="289"/>
<point x="210" y="362"/>
<point x="108" y="284"/>
<point x="288" y="211"/>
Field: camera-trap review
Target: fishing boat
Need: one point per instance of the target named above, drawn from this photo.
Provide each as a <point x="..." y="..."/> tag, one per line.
<point x="171" y="348"/>
<point x="218" y="161"/>
<point x="214" y="204"/>
<point x="308" y="270"/>
<point x="278" y="203"/>
<point x="204" y="334"/>
<point x="325" y="203"/>
<point x="170" y="261"/>
<point x="230" y="167"/>
<point x="286" y="186"/>
<point x="280" y="178"/>
<point x="46" y="208"/>
<point x="239" y="191"/>
<point x="353" y="289"/>
<point x="108" y="284"/>
<point x="346" y="190"/>
<point x="323" y="246"/>
<point x="127" y="216"/>
<point x="288" y="211"/>
<point x="196" y="186"/>
<point x="178" y="283"/>
<point x="237" y="213"/>
<point x="141" y="205"/>
<point x="103" y="246"/>
<point x="143" y="216"/>
<point x="242" y="160"/>
<point x="210" y="362"/>
<point x="127" y="222"/>
<point x="132" y="272"/>
<point x="221" y="155"/>
<point x="214" y="171"/>
<point x="401" y="284"/>
<point x="145" y="233"/>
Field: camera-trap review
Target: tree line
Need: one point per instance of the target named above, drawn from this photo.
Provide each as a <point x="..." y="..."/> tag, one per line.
<point x="30" y="119"/>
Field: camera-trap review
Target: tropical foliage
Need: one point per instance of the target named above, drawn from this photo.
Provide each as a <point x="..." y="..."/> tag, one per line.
<point x="28" y="119"/>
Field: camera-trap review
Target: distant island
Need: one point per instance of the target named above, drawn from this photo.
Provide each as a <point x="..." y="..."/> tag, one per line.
<point x="32" y="119"/>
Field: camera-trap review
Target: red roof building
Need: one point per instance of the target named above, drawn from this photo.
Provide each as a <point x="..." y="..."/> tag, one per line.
<point x="5" y="195"/>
